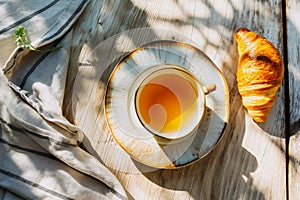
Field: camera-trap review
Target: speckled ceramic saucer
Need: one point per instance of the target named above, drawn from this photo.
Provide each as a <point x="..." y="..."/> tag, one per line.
<point x="137" y="141"/>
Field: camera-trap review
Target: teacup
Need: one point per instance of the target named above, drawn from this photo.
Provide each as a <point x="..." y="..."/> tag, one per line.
<point x="170" y="102"/>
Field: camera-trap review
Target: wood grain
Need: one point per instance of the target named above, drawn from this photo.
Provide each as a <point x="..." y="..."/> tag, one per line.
<point x="293" y="31"/>
<point x="248" y="162"/>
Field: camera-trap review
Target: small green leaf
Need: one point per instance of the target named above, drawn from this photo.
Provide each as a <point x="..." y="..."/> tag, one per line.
<point x="20" y="38"/>
<point x="20" y="32"/>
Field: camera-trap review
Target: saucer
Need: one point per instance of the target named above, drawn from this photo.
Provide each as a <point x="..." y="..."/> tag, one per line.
<point x="130" y="134"/>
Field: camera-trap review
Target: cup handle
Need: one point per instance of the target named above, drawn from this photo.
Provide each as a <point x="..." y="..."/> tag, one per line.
<point x="209" y="88"/>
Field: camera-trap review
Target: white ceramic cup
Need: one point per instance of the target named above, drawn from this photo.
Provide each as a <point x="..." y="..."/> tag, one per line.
<point x="170" y="102"/>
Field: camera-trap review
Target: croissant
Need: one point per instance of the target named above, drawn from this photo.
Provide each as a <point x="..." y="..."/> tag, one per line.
<point x="259" y="74"/>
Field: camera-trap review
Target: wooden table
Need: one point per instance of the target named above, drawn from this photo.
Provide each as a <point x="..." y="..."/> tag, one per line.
<point x="253" y="160"/>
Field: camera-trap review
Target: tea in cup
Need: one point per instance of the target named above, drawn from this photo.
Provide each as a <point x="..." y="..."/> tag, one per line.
<point x="170" y="102"/>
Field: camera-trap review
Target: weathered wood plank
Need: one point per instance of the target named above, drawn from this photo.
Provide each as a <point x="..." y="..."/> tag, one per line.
<point x="293" y="31"/>
<point x="249" y="161"/>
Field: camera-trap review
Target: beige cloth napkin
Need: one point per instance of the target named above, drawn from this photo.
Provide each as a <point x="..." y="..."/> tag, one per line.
<point x="40" y="156"/>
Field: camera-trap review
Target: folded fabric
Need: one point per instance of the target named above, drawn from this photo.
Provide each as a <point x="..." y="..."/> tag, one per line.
<point x="40" y="156"/>
<point x="7" y="195"/>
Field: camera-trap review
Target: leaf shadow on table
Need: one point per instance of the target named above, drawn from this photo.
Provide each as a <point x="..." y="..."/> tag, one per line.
<point x="226" y="170"/>
<point x="231" y="178"/>
<point x="274" y="125"/>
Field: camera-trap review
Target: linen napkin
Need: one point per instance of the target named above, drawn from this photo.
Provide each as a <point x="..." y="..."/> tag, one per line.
<point x="40" y="156"/>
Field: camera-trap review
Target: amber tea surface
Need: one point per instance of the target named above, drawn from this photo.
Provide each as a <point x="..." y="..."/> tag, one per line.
<point x="167" y="100"/>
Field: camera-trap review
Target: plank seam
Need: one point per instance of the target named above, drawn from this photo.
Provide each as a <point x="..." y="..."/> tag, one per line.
<point x="286" y="92"/>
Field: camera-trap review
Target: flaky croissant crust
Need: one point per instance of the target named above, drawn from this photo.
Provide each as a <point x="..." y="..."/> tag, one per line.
<point x="259" y="74"/>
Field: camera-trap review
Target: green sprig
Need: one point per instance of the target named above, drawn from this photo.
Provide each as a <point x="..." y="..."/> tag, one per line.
<point x="21" y="39"/>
